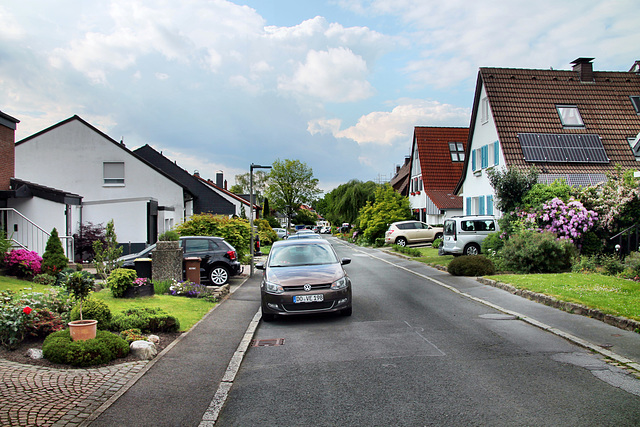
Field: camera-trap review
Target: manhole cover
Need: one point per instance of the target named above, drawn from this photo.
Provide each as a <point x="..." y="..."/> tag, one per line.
<point x="267" y="343"/>
<point x="498" y="316"/>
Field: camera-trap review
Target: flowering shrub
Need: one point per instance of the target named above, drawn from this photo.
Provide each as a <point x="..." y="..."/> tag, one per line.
<point x="131" y="335"/>
<point x="141" y="281"/>
<point x="188" y="289"/>
<point x="23" y="263"/>
<point x="32" y="313"/>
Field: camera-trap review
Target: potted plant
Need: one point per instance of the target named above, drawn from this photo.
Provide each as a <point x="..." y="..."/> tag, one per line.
<point x="79" y="286"/>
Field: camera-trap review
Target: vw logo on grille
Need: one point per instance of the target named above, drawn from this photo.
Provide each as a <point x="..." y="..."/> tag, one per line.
<point x="307" y="287"/>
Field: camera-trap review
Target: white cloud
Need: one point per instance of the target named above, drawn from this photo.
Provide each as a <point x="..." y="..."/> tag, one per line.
<point x="395" y="126"/>
<point x="162" y="76"/>
<point x="335" y="75"/>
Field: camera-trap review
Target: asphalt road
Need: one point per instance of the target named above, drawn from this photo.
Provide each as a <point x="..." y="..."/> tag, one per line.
<point x="415" y="353"/>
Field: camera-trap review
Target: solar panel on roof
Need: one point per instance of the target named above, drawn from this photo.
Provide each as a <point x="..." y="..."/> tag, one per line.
<point x="562" y="148"/>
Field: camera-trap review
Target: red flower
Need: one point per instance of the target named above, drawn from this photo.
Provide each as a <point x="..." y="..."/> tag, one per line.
<point x="27" y="310"/>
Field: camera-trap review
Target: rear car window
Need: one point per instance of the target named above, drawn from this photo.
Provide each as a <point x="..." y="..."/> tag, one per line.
<point x="449" y="228"/>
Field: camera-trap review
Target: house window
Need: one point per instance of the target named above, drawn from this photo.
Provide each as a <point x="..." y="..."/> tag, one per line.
<point x="570" y="116"/>
<point x="484" y="110"/>
<point x="457" y="151"/>
<point x="113" y="173"/>
<point x="635" y="100"/>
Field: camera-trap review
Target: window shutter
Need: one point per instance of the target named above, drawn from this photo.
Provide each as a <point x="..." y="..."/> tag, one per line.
<point x="496" y="153"/>
<point x="473" y="160"/>
<point x="468" y="205"/>
<point x="489" y="205"/>
<point x="485" y="156"/>
<point x="481" y="205"/>
<point x="113" y="172"/>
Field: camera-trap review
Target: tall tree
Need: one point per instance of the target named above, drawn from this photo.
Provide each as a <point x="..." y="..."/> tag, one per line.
<point x="291" y="184"/>
<point x="389" y="206"/>
<point x="343" y="203"/>
<point x="243" y="181"/>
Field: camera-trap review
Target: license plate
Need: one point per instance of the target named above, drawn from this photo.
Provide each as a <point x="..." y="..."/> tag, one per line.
<point x="308" y="298"/>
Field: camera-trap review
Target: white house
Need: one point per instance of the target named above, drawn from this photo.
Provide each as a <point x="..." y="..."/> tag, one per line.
<point x="574" y="125"/>
<point x="114" y="182"/>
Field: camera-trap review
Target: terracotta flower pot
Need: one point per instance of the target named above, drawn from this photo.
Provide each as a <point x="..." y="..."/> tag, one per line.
<point x="82" y="330"/>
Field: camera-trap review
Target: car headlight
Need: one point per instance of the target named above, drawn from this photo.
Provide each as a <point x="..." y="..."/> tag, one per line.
<point x="273" y="288"/>
<point x="339" y="284"/>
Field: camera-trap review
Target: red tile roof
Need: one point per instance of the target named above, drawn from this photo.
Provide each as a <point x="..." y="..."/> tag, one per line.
<point x="439" y="173"/>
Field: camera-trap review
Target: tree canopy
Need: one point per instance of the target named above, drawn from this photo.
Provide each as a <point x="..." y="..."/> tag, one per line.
<point x="343" y="203"/>
<point x="389" y="206"/>
<point x="291" y="184"/>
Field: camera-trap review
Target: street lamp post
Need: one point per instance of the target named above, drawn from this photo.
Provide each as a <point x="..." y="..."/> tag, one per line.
<point x="251" y="248"/>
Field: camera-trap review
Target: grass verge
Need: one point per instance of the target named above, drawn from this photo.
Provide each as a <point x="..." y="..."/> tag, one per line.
<point x="609" y="294"/>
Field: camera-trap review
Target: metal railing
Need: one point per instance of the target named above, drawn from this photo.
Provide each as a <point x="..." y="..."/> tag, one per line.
<point x="623" y="247"/>
<point x="25" y="234"/>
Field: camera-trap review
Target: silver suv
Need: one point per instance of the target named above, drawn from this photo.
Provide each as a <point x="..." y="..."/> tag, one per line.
<point x="463" y="235"/>
<point x="405" y="232"/>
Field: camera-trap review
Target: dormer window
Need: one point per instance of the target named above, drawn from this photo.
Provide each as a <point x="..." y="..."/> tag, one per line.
<point x="457" y="151"/>
<point x="570" y="116"/>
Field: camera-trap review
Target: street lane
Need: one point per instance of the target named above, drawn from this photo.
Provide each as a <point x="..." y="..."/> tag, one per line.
<point x="415" y="353"/>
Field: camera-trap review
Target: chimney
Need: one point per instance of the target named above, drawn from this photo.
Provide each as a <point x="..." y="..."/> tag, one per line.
<point x="196" y="173"/>
<point x="225" y="184"/>
<point x="8" y="127"/>
<point x="219" y="179"/>
<point x="584" y="67"/>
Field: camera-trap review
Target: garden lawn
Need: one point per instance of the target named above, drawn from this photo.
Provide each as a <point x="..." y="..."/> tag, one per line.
<point x="187" y="310"/>
<point x="609" y="294"/>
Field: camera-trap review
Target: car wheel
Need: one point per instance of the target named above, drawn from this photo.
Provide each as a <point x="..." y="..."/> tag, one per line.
<point x="401" y="241"/>
<point x="346" y="311"/>
<point x="472" y="249"/>
<point x="219" y="275"/>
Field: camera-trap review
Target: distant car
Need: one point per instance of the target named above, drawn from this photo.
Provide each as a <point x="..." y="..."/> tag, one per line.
<point x="407" y="232"/>
<point x="463" y="235"/>
<point x="304" y="276"/>
<point x="325" y="230"/>
<point x="310" y="235"/>
<point x="219" y="258"/>
<point x="304" y="231"/>
<point x="282" y="233"/>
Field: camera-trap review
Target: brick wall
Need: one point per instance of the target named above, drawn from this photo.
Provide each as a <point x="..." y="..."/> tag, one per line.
<point x="7" y="156"/>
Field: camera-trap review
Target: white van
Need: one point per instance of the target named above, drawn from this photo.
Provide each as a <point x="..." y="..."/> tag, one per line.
<point x="463" y="235"/>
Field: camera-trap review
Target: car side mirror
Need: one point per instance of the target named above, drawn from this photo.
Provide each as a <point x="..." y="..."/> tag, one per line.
<point x="345" y="261"/>
<point x="260" y="266"/>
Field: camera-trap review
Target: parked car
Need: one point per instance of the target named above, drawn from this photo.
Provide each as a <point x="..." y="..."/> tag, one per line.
<point x="463" y="235"/>
<point x="310" y="235"/>
<point x="304" y="276"/>
<point x="282" y="233"/>
<point x="325" y="230"/>
<point x="219" y="258"/>
<point x="407" y="232"/>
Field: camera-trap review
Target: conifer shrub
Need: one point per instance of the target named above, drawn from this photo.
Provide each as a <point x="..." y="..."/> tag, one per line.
<point x="471" y="265"/>
<point x="53" y="259"/>
<point x="95" y="310"/>
<point x="106" y="346"/>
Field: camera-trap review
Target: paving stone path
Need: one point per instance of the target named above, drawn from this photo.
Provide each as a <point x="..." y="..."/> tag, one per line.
<point x="39" y="396"/>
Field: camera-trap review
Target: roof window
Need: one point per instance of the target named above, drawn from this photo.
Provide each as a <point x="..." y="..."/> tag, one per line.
<point x="457" y="151"/>
<point x="570" y="116"/>
<point x="635" y="100"/>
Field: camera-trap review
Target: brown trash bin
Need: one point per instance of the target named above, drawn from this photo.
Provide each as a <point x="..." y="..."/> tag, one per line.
<point x="192" y="269"/>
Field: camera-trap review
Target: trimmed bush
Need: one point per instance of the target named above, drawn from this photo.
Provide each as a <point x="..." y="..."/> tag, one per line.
<point x="95" y="310"/>
<point x="471" y="265"/>
<point x="106" y="346"/>
<point x="131" y="335"/>
<point x="407" y="251"/>
<point x="145" y="319"/>
<point x="537" y="252"/>
<point x="169" y="236"/>
<point x="44" y="279"/>
<point x="120" y="279"/>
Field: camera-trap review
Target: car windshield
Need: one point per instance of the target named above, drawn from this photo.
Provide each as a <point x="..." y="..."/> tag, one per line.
<point x="297" y="255"/>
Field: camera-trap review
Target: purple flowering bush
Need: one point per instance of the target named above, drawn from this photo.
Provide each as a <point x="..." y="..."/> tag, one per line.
<point x="188" y="289"/>
<point x="23" y="263"/>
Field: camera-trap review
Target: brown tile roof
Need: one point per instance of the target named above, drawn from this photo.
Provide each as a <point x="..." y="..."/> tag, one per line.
<point x="439" y="173"/>
<point x="400" y="182"/>
<point x="524" y="101"/>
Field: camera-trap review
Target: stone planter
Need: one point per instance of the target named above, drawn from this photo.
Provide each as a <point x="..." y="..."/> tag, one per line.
<point x="139" y="291"/>
<point x="167" y="261"/>
<point x="82" y="330"/>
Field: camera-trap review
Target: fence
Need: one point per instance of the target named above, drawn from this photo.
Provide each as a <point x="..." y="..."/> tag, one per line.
<point x="625" y="246"/>
<point x="25" y="234"/>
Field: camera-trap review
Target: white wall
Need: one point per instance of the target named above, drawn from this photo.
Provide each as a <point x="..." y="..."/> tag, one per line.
<point x="70" y="157"/>
<point x="477" y="184"/>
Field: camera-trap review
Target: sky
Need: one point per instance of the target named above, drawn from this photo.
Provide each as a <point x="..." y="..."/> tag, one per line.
<point x="219" y="85"/>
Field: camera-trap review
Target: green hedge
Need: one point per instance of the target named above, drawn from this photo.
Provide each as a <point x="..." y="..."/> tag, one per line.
<point x="106" y="346"/>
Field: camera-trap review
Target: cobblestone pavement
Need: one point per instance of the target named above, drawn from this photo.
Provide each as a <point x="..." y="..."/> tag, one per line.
<point x="38" y="396"/>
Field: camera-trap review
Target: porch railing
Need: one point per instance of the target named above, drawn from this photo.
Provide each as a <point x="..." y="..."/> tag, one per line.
<point x="631" y="243"/>
<point x="25" y="234"/>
